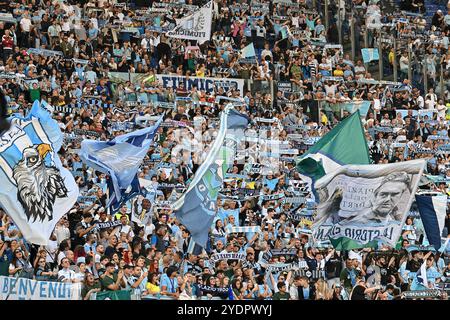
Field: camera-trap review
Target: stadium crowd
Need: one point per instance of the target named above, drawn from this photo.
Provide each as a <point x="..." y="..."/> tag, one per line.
<point x="100" y="65"/>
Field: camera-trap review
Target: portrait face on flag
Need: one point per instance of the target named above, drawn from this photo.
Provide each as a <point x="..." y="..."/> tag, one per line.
<point x="366" y="203"/>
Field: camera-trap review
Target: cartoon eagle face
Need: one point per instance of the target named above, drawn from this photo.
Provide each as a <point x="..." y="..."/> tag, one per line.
<point x="38" y="186"/>
<point x="32" y="158"/>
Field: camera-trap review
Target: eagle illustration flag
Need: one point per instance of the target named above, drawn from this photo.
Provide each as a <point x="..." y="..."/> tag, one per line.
<point x="194" y="27"/>
<point x="197" y="208"/>
<point x="36" y="190"/>
<point x="120" y="158"/>
<point x="344" y="144"/>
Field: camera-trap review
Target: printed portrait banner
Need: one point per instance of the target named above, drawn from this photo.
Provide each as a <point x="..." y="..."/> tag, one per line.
<point x="202" y="83"/>
<point x="26" y="289"/>
<point x="361" y="205"/>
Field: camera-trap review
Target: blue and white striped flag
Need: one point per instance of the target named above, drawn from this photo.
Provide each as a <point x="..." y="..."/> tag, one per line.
<point x="120" y="158"/>
<point x="196" y="209"/>
<point x="370" y="54"/>
<point x="432" y="209"/>
<point x="36" y="190"/>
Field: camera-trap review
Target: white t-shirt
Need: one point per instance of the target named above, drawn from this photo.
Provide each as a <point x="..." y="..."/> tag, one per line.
<point x="404" y="62"/>
<point x="94" y="22"/>
<point x="61" y="256"/>
<point x="360" y="69"/>
<point x="25" y="23"/>
<point x="65" y="26"/>
<point x="62" y="233"/>
<point x="51" y="249"/>
<point x="148" y="230"/>
<point x="127" y="229"/>
<point x="66" y="274"/>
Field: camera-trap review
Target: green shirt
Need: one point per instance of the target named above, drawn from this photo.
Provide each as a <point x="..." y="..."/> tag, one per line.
<point x="106" y="281"/>
<point x="281" y="296"/>
<point x="87" y="288"/>
<point x="4" y="268"/>
<point x="229" y="273"/>
<point x="35" y="94"/>
<point x="296" y="71"/>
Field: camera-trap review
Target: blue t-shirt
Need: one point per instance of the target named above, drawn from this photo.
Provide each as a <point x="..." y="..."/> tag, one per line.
<point x="92" y="33"/>
<point x="306" y="293"/>
<point x="170" y="284"/>
<point x="261" y="290"/>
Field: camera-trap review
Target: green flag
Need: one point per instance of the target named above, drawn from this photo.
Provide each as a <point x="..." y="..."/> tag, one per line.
<point x="344" y="144"/>
<point x="114" y="295"/>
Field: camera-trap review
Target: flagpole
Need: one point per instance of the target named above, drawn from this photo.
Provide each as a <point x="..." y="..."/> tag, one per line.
<point x="394" y="39"/>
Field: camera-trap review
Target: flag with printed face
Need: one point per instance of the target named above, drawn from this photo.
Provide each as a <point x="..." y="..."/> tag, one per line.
<point x="120" y="158"/>
<point x="370" y="54"/>
<point x="364" y="205"/>
<point x="36" y="190"/>
<point x="196" y="209"/>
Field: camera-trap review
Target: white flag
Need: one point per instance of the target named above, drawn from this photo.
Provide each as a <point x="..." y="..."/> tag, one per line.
<point x="36" y="190"/>
<point x="194" y="27"/>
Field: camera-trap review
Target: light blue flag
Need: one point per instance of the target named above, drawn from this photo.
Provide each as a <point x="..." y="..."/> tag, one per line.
<point x="196" y="209"/>
<point x="120" y="158"/>
<point x="248" y="51"/>
<point x="353" y="106"/>
<point x="370" y="54"/>
<point x="127" y="194"/>
<point x="36" y="190"/>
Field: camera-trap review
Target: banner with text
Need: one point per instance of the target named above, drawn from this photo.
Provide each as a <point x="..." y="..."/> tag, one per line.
<point x="26" y="289"/>
<point x="196" y="26"/>
<point x="363" y="204"/>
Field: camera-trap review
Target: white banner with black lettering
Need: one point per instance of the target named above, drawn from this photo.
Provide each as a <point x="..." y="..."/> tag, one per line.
<point x="194" y="27"/>
<point x="202" y="83"/>
<point x="25" y="289"/>
<point x="363" y="204"/>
